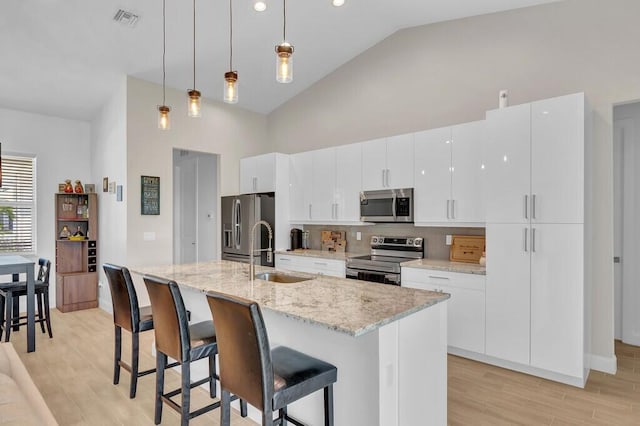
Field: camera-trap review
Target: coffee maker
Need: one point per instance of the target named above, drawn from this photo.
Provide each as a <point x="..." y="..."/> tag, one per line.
<point x="296" y="238"/>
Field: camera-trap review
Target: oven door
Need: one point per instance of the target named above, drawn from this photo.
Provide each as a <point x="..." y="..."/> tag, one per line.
<point x="373" y="276"/>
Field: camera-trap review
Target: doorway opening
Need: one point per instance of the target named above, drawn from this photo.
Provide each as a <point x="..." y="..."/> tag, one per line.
<point x="626" y="207"/>
<point x="195" y="206"/>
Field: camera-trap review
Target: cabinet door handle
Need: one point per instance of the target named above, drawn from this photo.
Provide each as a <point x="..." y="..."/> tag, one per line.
<point x="525" y="239"/>
<point x="526" y="206"/>
<point x="336" y="214"/>
<point x="533" y="240"/>
<point x="284" y="259"/>
<point x="453" y="209"/>
<point x="309" y="211"/>
<point x="388" y="172"/>
<point x="448" y="209"/>
<point x="321" y="263"/>
<point x="533" y="206"/>
<point x="383" y="173"/>
<point x="438" y="277"/>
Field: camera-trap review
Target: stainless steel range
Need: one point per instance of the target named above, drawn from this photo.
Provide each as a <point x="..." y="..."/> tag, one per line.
<point x="383" y="265"/>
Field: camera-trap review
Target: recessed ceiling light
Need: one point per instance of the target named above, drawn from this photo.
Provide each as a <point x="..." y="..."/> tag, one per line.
<point x="337" y="3"/>
<point x="260" y="6"/>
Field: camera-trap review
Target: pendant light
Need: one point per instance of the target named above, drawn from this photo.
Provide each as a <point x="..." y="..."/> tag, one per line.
<point x="163" y="110"/>
<point x="231" y="77"/>
<point x="193" y="106"/>
<point x="284" y="64"/>
<point x="259" y="6"/>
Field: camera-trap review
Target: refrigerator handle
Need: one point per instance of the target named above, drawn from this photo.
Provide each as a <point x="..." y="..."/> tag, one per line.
<point x="237" y="223"/>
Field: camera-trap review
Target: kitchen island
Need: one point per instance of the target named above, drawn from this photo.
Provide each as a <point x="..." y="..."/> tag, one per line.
<point x="389" y="343"/>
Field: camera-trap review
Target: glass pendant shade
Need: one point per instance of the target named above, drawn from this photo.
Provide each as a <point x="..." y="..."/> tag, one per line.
<point x="260" y="6"/>
<point x="231" y="87"/>
<point x="284" y="64"/>
<point x="163" y="117"/>
<point x="193" y="107"/>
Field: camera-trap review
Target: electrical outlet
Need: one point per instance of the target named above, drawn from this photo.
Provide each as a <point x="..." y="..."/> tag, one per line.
<point x="448" y="240"/>
<point x="358" y="235"/>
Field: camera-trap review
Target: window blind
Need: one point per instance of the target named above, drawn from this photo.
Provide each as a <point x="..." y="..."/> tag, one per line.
<point x="17" y="205"/>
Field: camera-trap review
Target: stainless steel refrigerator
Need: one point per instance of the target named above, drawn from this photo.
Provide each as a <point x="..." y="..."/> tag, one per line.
<point x="239" y="214"/>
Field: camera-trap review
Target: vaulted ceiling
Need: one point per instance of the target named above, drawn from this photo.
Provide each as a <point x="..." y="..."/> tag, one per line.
<point x="66" y="57"/>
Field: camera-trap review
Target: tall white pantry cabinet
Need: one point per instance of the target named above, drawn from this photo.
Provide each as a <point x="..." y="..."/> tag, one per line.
<point x="535" y="192"/>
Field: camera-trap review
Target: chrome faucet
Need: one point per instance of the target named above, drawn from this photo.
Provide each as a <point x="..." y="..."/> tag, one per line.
<point x="252" y="250"/>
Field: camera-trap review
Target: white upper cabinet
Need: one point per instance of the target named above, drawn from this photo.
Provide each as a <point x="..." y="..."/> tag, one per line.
<point x="258" y="174"/>
<point x="508" y="165"/>
<point x="448" y="175"/>
<point x="467" y="172"/>
<point x="323" y="176"/>
<point x="348" y="182"/>
<point x="300" y="186"/>
<point x="557" y="160"/>
<point x="535" y="162"/>
<point x="432" y="175"/>
<point x="388" y="163"/>
<point x="325" y="185"/>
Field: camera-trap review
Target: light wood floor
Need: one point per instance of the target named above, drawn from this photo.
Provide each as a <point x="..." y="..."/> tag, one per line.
<point x="74" y="372"/>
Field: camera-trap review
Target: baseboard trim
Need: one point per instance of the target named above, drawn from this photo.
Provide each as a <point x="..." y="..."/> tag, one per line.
<point x="604" y="364"/>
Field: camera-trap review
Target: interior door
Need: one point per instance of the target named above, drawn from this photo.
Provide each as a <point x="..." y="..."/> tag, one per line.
<point x="188" y="224"/>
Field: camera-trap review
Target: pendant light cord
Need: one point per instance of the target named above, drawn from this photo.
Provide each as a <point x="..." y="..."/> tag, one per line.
<point x="164" y="49"/>
<point x="284" y="20"/>
<point x="230" y="36"/>
<point x="194" y="44"/>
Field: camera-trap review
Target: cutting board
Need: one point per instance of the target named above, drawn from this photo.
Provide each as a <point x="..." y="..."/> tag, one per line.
<point x="333" y="240"/>
<point x="466" y="248"/>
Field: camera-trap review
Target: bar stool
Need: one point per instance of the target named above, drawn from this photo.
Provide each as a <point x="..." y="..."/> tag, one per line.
<point x="184" y="343"/>
<point x="269" y="380"/>
<point x="129" y="315"/>
<point x="12" y="291"/>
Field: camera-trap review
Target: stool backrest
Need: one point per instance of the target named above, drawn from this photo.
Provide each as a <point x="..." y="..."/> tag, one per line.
<point x="170" y="322"/>
<point x="43" y="270"/>
<point x="243" y="349"/>
<point x="126" y="311"/>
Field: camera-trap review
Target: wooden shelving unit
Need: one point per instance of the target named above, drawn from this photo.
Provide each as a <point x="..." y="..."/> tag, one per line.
<point x="76" y="260"/>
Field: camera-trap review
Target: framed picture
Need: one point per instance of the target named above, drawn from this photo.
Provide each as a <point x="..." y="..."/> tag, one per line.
<point x="105" y="184"/>
<point x="89" y="188"/>
<point x="61" y="187"/>
<point x="149" y="195"/>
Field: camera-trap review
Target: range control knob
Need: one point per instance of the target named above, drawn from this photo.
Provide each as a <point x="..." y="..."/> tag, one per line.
<point x="409" y="241"/>
<point x="417" y="242"/>
<point x="374" y="240"/>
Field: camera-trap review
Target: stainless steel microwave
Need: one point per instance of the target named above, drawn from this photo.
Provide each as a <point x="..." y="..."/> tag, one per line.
<point x="387" y="205"/>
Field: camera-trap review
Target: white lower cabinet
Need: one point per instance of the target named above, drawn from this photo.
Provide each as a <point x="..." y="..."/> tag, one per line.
<point x="466" y="308"/>
<point x="311" y="265"/>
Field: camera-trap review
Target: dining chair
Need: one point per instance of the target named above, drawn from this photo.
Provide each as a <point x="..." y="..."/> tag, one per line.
<point x="268" y="379"/>
<point x="10" y="294"/>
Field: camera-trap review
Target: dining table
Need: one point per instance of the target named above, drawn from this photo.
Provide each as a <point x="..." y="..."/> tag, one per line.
<point x="15" y="265"/>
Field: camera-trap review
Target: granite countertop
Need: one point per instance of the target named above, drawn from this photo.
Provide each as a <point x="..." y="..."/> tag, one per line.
<point x="318" y="253"/>
<point x="348" y="306"/>
<point x="446" y="265"/>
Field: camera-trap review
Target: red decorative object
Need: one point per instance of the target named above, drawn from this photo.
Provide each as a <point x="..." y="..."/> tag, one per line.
<point x="67" y="186"/>
<point x="78" y="188"/>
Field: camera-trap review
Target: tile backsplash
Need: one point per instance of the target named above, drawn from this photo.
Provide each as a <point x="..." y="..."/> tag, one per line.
<point x="435" y="237"/>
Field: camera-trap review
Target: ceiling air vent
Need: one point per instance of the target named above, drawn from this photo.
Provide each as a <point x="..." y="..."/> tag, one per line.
<point x="125" y="17"/>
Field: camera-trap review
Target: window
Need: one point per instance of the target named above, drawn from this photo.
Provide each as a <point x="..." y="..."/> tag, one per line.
<point x="17" y="205"/>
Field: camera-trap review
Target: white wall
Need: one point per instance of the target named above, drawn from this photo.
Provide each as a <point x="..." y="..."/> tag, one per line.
<point x="436" y="75"/>
<point x="61" y="149"/>
<point x="231" y="132"/>
<point x="109" y="159"/>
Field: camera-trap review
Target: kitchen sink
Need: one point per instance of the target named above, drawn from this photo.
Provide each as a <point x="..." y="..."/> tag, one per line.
<point x="279" y="277"/>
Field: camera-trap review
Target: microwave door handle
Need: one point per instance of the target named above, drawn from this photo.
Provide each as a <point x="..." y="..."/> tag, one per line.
<point x="393" y="205"/>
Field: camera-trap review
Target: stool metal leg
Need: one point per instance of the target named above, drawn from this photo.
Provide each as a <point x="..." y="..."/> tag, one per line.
<point x="186" y="393"/>
<point x="161" y="363"/>
<point x="212" y="376"/>
<point x="40" y="311"/>
<point x="8" y="312"/>
<point x="328" y="405"/>
<point x="225" y="408"/>
<point x="47" y="312"/>
<point x="117" y="355"/>
<point x="135" y="350"/>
